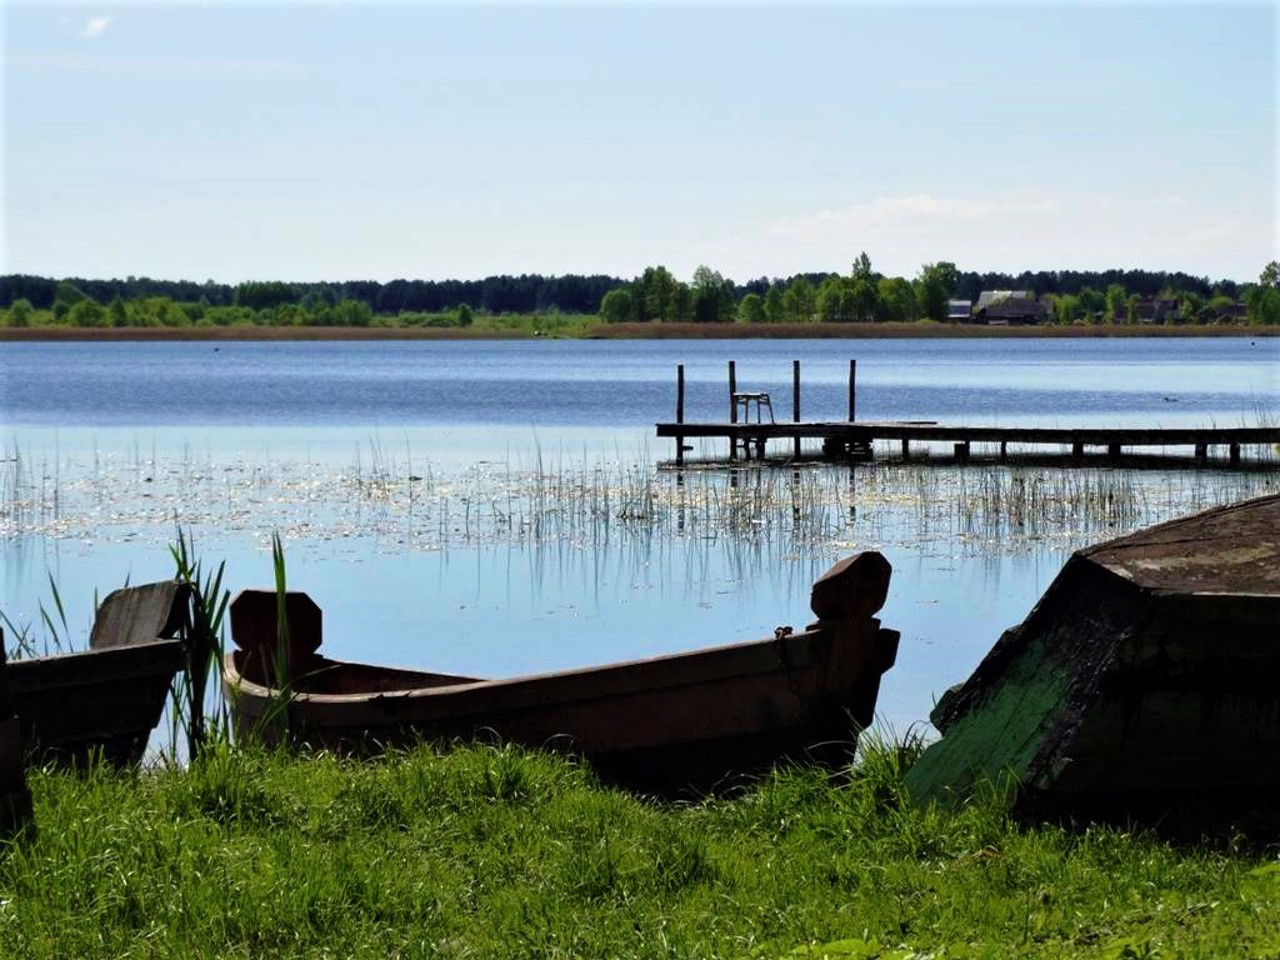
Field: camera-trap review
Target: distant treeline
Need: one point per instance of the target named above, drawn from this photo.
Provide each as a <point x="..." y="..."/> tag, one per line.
<point x="864" y="295"/>
<point x="532" y="293"/>
<point x="528" y="293"/>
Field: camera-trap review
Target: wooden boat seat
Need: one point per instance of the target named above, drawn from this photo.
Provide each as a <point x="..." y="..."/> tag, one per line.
<point x="142" y="614"/>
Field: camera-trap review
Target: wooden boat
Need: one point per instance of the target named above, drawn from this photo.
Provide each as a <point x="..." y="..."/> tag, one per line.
<point x="15" y="798"/>
<point x="105" y="700"/>
<point x="696" y="720"/>
<point x="1145" y="682"/>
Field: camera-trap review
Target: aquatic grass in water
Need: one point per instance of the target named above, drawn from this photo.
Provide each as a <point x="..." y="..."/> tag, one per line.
<point x="55" y="636"/>
<point x="411" y="505"/>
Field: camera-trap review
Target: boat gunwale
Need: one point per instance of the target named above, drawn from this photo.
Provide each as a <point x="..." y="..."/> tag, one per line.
<point x="238" y="683"/>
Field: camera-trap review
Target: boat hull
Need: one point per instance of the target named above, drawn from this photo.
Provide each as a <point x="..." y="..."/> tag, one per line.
<point x="696" y="721"/>
<point x="96" y="703"/>
<point x="1144" y="684"/>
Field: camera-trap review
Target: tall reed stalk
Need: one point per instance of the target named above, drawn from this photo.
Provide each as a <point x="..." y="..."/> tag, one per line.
<point x="202" y="636"/>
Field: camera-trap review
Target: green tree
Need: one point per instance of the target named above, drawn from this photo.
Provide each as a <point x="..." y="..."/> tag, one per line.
<point x="653" y="294"/>
<point x="830" y="301"/>
<point x="680" y="306"/>
<point x="798" y="300"/>
<point x="712" y="296"/>
<point x="19" y="313"/>
<point x="1067" y="309"/>
<point x="934" y="287"/>
<point x="1117" y="300"/>
<point x="117" y="313"/>
<point x="87" y="313"/>
<point x="862" y="267"/>
<point x="751" y="309"/>
<point x="863" y="298"/>
<point x="263" y="295"/>
<point x="353" y="313"/>
<point x="1092" y="303"/>
<point x="774" y="310"/>
<point x="1218" y="308"/>
<point x="616" y="306"/>
<point x="465" y="317"/>
<point x="66" y="295"/>
<point x="1262" y="300"/>
<point x="897" y="301"/>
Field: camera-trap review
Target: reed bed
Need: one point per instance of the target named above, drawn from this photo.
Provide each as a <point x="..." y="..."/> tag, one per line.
<point x="405" y="502"/>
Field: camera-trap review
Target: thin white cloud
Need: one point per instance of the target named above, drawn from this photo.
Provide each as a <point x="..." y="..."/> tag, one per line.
<point x="96" y="26"/>
<point x="153" y="65"/>
<point x="923" y="208"/>
<point x="1003" y="232"/>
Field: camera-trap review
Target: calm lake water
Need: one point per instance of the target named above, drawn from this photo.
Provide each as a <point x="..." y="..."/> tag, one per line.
<point x="494" y="508"/>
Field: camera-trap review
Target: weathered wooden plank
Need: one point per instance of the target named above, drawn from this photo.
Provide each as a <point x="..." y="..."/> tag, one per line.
<point x="140" y="614"/>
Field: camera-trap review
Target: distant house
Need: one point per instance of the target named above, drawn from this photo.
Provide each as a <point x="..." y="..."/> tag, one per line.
<point x="959" y="311"/>
<point x="1234" y="312"/>
<point x="1157" y="310"/>
<point x="1009" y="307"/>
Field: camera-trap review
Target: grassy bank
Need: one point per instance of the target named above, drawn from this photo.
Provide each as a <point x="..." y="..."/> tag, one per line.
<point x="576" y="327"/>
<point x="497" y="853"/>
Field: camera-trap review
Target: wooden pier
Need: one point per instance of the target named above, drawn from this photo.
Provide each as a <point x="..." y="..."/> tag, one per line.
<point x="748" y="437"/>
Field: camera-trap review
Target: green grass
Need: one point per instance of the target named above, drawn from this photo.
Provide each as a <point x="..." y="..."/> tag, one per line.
<point x="489" y="852"/>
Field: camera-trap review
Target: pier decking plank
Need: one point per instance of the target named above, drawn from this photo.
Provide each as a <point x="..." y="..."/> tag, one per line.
<point x="865" y="432"/>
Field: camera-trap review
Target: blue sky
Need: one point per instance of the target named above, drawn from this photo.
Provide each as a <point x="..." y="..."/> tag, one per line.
<point x="308" y="141"/>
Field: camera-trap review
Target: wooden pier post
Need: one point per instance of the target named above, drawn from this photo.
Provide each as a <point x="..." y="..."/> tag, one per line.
<point x="733" y="408"/>
<point x="853" y="389"/>
<point x="1004" y="451"/>
<point x="679" y="412"/>
<point x="1077" y="451"/>
<point x="795" y="400"/>
<point x="1202" y="453"/>
<point x="1113" y="451"/>
<point x="1233" y="452"/>
<point x="906" y="449"/>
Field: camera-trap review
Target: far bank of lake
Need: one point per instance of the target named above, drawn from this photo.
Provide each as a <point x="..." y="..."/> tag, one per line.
<point x="637" y="331"/>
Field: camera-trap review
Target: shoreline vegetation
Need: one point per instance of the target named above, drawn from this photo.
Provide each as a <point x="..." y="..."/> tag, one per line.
<point x="489" y="851"/>
<point x="524" y="328"/>
<point x="940" y="301"/>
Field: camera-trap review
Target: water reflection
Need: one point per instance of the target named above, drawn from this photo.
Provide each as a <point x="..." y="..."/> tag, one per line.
<point x="499" y="568"/>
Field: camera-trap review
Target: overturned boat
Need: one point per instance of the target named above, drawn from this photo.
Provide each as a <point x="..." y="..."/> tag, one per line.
<point x="700" y="720"/>
<point x="1145" y="682"/>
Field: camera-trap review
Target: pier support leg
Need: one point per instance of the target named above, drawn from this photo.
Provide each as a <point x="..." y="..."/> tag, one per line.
<point x="1113" y="451"/>
<point x="1233" y="452"/>
<point x="853" y="390"/>
<point x="733" y="408"/>
<point x="679" y="412"/>
<point x="795" y="402"/>
<point x="906" y="449"/>
<point x="1004" y="451"/>
<point x="1077" y="451"/>
<point x="1202" y="453"/>
<point x="962" y="450"/>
